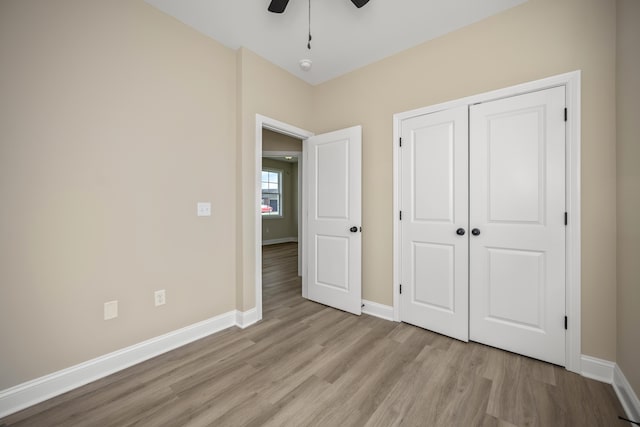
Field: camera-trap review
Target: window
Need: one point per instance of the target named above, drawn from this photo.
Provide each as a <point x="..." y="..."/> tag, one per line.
<point x="271" y="192"/>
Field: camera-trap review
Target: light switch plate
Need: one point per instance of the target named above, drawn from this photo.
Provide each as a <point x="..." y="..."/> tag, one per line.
<point x="110" y="310"/>
<point x="204" y="208"/>
<point x="159" y="297"/>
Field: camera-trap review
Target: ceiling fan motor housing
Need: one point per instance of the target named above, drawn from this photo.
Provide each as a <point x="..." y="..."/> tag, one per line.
<point x="278" y="6"/>
<point x="359" y="3"/>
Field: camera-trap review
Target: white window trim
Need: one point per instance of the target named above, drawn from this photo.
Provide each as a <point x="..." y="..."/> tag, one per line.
<point x="280" y="173"/>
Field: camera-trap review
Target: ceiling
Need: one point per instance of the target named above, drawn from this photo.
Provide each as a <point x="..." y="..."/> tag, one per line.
<point x="344" y="37"/>
<point x="293" y="159"/>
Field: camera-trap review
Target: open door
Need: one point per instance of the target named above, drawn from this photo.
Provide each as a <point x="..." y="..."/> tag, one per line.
<point x="332" y="178"/>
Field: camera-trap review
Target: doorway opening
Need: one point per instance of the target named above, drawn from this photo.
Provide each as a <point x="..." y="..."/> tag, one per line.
<point x="272" y="126"/>
<point x="280" y="207"/>
<point x="281" y="198"/>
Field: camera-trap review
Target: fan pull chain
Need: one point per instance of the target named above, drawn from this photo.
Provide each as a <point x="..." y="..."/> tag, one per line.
<point x="309" y="41"/>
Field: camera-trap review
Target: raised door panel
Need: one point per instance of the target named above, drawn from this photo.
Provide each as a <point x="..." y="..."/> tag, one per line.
<point x="332" y="181"/>
<point x="434" y="264"/>
<point x="515" y="166"/>
<point x="433" y="172"/>
<point x="332" y="261"/>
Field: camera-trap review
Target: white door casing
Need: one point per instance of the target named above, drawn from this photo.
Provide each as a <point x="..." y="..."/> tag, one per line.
<point x="517" y="204"/>
<point x="434" y="209"/>
<point x="333" y="187"/>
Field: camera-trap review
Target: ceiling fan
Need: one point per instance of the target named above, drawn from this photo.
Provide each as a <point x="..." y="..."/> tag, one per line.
<point x="278" y="6"/>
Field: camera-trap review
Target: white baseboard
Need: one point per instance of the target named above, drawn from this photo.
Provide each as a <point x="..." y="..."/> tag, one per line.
<point x="278" y="241"/>
<point x="246" y="318"/>
<point x="40" y="389"/>
<point x="597" y="369"/>
<point x="628" y="398"/>
<point x="378" y="310"/>
<point x="610" y="373"/>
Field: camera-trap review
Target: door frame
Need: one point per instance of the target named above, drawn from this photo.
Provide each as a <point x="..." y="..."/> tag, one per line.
<point x="264" y="122"/>
<point x="572" y="82"/>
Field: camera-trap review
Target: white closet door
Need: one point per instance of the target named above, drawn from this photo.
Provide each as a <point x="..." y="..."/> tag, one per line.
<point x="434" y="203"/>
<point x="517" y="205"/>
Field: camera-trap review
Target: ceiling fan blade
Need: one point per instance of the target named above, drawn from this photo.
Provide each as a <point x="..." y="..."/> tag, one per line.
<point x="278" y="6"/>
<point x="359" y="3"/>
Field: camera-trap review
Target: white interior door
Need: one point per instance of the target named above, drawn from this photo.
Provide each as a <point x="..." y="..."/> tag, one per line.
<point x="517" y="205"/>
<point x="434" y="235"/>
<point x="334" y="244"/>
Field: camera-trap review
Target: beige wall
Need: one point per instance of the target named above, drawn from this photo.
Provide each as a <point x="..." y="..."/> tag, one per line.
<point x="628" y="115"/>
<point x="115" y="119"/>
<point x="274" y="227"/>
<point x="270" y="91"/>
<point x="535" y="40"/>
<point x="273" y="141"/>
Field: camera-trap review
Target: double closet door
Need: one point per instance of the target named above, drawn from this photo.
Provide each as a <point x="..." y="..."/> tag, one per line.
<point x="482" y="195"/>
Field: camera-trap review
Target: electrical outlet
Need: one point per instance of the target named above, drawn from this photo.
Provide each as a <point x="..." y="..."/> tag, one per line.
<point x="204" y="209"/>
<point x="110" y="310"/>
<point x="159" y="297"/>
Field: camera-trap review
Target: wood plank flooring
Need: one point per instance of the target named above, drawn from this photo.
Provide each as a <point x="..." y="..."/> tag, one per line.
<point x="306" y="364"/>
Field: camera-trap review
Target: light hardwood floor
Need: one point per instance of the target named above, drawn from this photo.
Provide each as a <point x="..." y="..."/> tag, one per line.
<point x="306" y="364"/>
